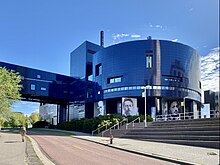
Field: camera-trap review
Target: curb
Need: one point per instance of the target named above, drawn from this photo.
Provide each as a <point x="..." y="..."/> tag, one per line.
<point x="161" y="157"/>
<point x="40" y="155"/>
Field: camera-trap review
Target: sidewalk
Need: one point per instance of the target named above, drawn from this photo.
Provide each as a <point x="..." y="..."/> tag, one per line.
<point x="176" y="153"/>
<point x="12" y="149"/>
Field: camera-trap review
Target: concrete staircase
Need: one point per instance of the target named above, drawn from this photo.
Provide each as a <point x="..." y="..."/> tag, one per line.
<point x="122" y="130"/>
<point x="197" y="132"/>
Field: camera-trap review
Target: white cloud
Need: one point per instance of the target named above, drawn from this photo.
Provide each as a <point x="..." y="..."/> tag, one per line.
<point x="210" y="70"/>
<point x="174" y="40"/>
<point x="216" y="49"/>
<point x="135" y="36"/>
<point x="119" y="36"/>
<point x="159" y="26"/>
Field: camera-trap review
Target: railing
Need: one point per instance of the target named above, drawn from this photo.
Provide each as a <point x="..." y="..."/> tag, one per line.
<point x="118" y="125"/>
<point x="98" y="129"/>
<point x="132" y="122"/>
<point x="187" y="115"/>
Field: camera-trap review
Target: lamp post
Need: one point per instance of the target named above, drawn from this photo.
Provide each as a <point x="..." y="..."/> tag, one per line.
<point x="145" y="107"/>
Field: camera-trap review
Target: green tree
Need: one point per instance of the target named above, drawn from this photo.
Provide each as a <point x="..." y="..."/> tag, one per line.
<point x="34" y="117"/>
<point x="17" y="119"/>
<point x="9" y="92"/>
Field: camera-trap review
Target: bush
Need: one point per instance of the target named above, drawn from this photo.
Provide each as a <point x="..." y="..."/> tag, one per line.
<point x="87" y="125"/>
<point x="40" y="124"/>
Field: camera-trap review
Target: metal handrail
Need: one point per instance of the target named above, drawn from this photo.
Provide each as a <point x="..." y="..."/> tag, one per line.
<point x="182" y="116"/>
<point x="98" y="129"/>
<point x="179" y="116"/>
<point x="132" y="122"/>
<point x="118" y="124"/>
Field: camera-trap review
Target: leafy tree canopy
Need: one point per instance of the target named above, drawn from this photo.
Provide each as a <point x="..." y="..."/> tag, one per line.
<point x="34" y="117"/>
<point x="9" y="92"/>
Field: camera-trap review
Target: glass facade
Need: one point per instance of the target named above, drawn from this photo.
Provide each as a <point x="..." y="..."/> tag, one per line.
<point x="169" y="71"/>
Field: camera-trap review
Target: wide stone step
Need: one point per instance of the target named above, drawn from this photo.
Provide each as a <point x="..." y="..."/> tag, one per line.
<point x="200" y="128"/>
<point x="198" y="143"/>
<point x="199" y="121"/>
<point x="184" y="125"/>
<point x="173" y="137"/>
<point x="115" y="133"/>
<point x="206" y="133"/>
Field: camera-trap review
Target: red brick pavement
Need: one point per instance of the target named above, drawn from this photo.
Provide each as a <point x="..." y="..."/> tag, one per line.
<point x="65" y="150"/>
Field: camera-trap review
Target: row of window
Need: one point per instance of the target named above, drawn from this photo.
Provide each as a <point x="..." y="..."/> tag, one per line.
<point x="113" y="80"/>
<point x="149" y="63"/>
<point x="172" y="79"/>
<point x="33" y="88"/>
<point x="149" y="87"/>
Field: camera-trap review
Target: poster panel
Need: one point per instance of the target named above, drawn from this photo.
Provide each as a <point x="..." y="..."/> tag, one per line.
<point x="153" y="113"/>
<point x="205" y="111"/>
<point x="164" y="107"/>
<point x="119" y="107"/>
<point x="99" y="108"/>
<point x="174" y="107"/>
<point x="129" y="106"/>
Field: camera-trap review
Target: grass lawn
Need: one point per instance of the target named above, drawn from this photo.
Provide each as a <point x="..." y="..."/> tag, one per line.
<point x="58" y="132"/>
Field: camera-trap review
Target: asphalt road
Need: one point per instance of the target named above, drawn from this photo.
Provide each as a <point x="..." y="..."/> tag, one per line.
<point x="66" y="150"/>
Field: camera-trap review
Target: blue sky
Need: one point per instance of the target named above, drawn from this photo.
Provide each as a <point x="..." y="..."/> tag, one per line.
<point x="34" y="32"/>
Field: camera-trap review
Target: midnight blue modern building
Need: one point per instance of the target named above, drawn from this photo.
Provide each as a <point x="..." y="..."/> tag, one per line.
<point x="169" y="71"/>
<point x="49" y="88"/>
<point x="102" y="79"/>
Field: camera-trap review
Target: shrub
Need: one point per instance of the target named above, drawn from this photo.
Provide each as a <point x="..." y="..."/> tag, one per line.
<point x="40" y="124"/>
<point x="87" y="125"/>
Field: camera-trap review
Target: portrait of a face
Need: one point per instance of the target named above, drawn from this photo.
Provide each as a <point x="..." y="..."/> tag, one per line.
<point x="129" y="106"/>
<point x="174" y="107"/>
<point x="99" y="108"/>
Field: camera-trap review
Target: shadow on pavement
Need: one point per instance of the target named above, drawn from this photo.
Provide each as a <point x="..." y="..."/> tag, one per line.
<point x="13" y="142"/>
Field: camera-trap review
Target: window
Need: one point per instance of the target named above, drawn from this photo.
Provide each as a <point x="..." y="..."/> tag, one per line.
<point x="43" y="88"/>
<point x="38" y="76"/>
<point x="149" y="58"/>
<point x="149" y="61"/>
<point x="98" y="69"/>
<point x="112" y="80"/>
<point x="173" y="78"/>
<point x="32" y="87"/>
<point x="90" y="78"/>
<point x="91" y="51"/>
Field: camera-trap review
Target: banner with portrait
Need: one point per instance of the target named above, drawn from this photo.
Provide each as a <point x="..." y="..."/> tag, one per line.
<point x="99" y="108"/>
<point x="129" y="106"/>
<point x="170" y="107"/>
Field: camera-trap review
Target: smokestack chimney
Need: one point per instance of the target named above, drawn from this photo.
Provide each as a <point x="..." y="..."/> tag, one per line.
<point x="102" y="38"/>
<point x="149" y="37"/>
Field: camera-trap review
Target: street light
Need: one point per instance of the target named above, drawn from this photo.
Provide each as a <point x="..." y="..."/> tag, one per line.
<point x="145" y="106"/>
